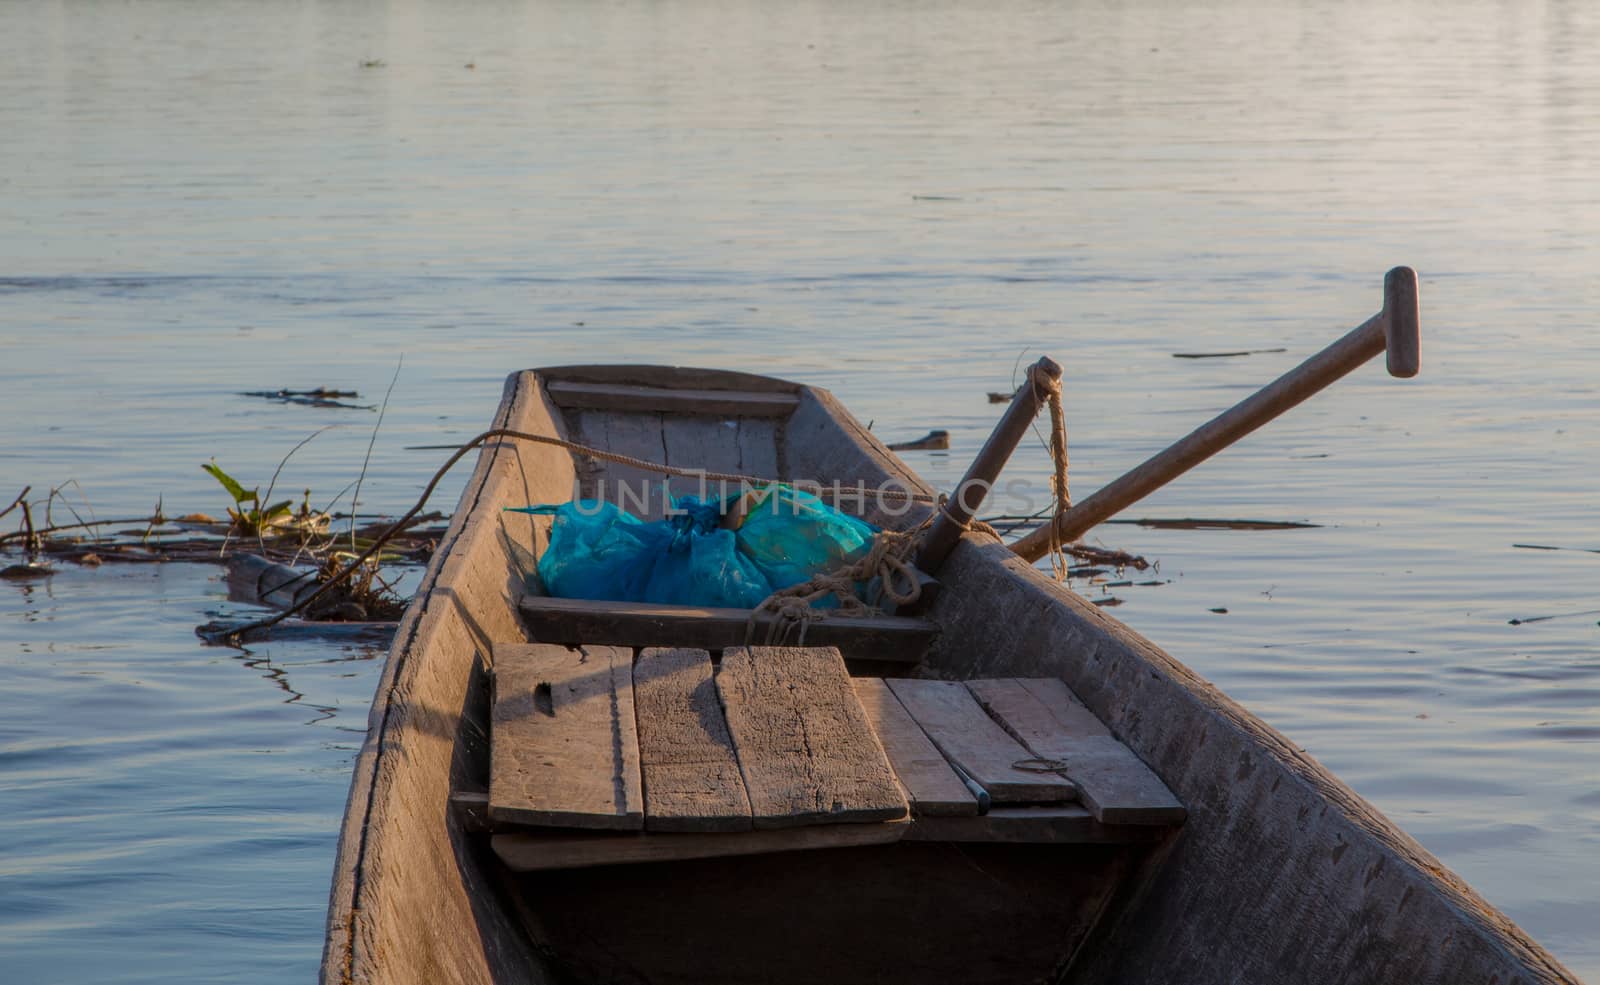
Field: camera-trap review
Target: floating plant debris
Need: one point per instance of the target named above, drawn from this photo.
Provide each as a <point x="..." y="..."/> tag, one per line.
<point x="320" y="397"/>
<point x="1224" y="355"/>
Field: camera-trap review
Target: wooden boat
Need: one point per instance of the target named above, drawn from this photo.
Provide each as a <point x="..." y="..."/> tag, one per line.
<point x="1280" y="873"/>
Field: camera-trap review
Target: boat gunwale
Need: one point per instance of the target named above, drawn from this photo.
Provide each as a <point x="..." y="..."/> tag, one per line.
<point x="339" y="956"/>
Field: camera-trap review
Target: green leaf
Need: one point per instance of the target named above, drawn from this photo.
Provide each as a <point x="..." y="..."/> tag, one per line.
<point x="230" y="483"/>
<point x="277" y="509"/>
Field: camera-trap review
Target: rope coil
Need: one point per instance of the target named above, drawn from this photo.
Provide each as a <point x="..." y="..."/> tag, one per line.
<point x="886" y="561"/>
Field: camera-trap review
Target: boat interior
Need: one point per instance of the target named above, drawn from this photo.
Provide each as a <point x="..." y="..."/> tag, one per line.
<point x="638" y="750"/>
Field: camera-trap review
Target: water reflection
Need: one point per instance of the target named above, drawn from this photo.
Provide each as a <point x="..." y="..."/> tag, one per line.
<point x="279" y="676"/>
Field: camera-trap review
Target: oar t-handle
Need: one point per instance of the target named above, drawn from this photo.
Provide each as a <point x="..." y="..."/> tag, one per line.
<point x="1394" y="330"/>
<point x="1402" y="323"/>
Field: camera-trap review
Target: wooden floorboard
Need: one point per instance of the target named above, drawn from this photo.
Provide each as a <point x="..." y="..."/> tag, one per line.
<point x="805" y="747"/>
<point x="970" y="739"/>
<point x="691" y="774"/>
<point x="1112" y="782"/>
<point x="563" y="749"/>
<point x="929" y="781"/>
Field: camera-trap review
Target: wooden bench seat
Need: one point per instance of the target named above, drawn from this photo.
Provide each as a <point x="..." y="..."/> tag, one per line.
<point x="572" y="395"/>
<point x="887" y="639"/>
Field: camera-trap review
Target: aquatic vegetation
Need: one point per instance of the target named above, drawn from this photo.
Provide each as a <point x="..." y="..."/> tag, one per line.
<point x="257" y="519"/>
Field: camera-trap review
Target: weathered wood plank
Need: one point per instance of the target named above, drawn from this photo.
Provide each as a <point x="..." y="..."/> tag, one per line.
<point x="704" y="443"/>
<point x="1054" y="694"/>
<point x="691" y="775"/>
<point x="805" y="748"/>
<point x="758" y="449"/>
<point x="1112" y="782"/>
<point x="891" y="639"/>
<point x="717" y="403"/>
<point x="563" y="748"/>
<point x="588" y="471"/>
<point x="933" y="787"/>
<point x="968" y="737"/>
<point x="1067" y="824"/>
<point x="542" y="851"/>
<point x="1015" y="703"/>
<point x="637" y="435"/>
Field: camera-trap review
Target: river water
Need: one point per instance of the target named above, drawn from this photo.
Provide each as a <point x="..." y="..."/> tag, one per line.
<point x="900" y="203"/>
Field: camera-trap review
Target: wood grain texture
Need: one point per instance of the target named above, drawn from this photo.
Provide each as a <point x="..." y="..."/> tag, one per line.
<point x="1014" y="704"/>
<point x="710" y="444"/>
<point x="563" y="747"/>
<point x="931" y="785"/>
<point x="690" y="772"/>
<point x="806" y="750"/>
<point x="888" y="639"/>
<point x="637" y="435"/>
<point x="968" y="737"/>
<point x="1063" y="705"/>
<point x="546" y="851"/>
<point x="1112" y="781"/>
<point x="758" y="448"/>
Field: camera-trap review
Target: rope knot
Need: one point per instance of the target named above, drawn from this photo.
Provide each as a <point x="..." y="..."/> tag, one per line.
<point x="1050" y="389"/>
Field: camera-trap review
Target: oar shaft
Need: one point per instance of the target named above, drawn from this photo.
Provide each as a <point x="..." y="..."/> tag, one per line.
<point x="1394" y="329"/>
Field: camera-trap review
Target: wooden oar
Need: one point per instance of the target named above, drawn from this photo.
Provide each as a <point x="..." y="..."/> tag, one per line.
<point x="1394" y="330"/>
<point x="980" y="477"/>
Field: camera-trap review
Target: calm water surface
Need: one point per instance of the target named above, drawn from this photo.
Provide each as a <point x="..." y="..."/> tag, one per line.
<point x="898" y="203"/>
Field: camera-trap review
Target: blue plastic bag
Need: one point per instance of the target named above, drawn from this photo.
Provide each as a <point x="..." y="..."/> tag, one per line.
<point x="730" y="552"/>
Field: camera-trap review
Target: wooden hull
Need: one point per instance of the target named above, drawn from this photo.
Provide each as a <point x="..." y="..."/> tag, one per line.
<point x="1281" y="874"/>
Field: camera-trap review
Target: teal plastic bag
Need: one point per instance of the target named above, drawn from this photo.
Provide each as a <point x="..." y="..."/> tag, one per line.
<point x="791" y="535"/>
<point x="730" y="552"/>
